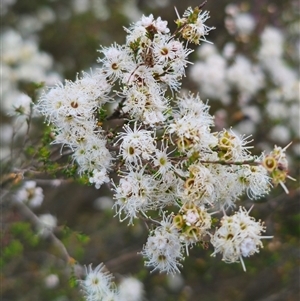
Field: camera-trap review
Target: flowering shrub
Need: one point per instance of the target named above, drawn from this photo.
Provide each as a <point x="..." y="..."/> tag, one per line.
<point x="175" y="172"/>
<point x="173" y="168"/>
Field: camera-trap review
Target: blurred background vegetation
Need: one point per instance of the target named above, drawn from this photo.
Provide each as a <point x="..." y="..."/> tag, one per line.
<point x="70" y="32"/>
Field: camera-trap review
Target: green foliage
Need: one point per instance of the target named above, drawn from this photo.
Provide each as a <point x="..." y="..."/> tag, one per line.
<point x="74" y="241"/>
<point x="102" y="114"/>
<point x="13" y="249"/>
<point x="24" y="231"/>
<point x="47" y="137"/>
<point x="30" y="151"/>
<point x="83" y="238"/>
<point x="83" y="180"/>
<point x="73" y="282"/>
<point x="70" y="171"/>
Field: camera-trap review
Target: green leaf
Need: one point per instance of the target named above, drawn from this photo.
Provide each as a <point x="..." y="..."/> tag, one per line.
<point x="15" y="248"/>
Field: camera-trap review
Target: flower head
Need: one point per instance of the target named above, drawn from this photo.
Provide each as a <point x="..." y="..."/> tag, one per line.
<point x="277" y="166"/>
<point x="31" y="194"/>
<point x="239" y="236"/>
<point x="192" y="27"/>
<point x="131" y="289"/>
<point x="99" y="177"/>
<point x="98" y="283"/>
<point x="163" y="249"/>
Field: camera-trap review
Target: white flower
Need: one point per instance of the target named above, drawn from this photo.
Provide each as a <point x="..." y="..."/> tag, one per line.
<point x="246" y="77"/>
<point x="280" y="133"/>
<point x="47" y="222"/>
<point x="163" y="49"/>
<point x="161" y="25"/>
<point x="163" y="249"/>
<point x="97" y="282"/>
<point x="135" y="193"/>
<point x="146" y="20"/>
<point x="193" y="223"/>
<point x="131" y="289"/>
<point x="71" y="100"/>
<point x="239" y="236"/>
<point x="271" y="44"/>
<point x="234" y="147"/>
<point x="30" y="194"/>
<point x="195" y="31"/>
<point x="146" y="104"/>
<point x="115" y="62"/>
<point x="92" y="153"/>
<point x="99" y="177"/>
<point x="255" y="179"/>
<point x="248" y="247"/>
<point x="161" y="160"/>
<point x="96" y="86"/>
<point x="244" y="23"/>
<point x="200" y="186"/>
<point x="191" y="124"/>
<point x="22" y="105"/>
<point x="210" y="75"/>
<point x="51" y="281"/>
<point x="137" y="144"/>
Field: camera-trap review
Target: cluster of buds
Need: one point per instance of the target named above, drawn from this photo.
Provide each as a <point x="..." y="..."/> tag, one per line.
<point x="276" y="164"/>
<point x="191" y="26"/>
<point x="193" y="223"/>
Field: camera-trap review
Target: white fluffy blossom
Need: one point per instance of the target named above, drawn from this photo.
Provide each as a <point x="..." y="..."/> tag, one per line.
<point x="131" y="289"/>
<point x="191" y="125"/>
<point x="246" y="77"/>
<point x="22" y="105"/>
<point x="47" y="222"/>
<point x="22" y="61"/>
<point x="135" y="193"/>
<point x="163" y="250"/>
<point x="211" y="77"/>
<point x="30" y="194"/>
<point x="99" y="177"/>
<point x="244" y="23"/>
<point x="137" y="144"/>
<point x="98" y="283"/>
<point x="51" y="281"/>
<point x="195" y="29"/>
<point x="238" y="236"/>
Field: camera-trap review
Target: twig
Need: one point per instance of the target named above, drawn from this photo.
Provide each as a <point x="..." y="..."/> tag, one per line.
<point x="26" y="212"/>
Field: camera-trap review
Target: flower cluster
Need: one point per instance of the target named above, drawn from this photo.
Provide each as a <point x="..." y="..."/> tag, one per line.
<point x="70" y="110"/>
<point x="174" y="171"/>
<point x="238" y="236"/>
<point x="163" y="249"/>
<point x="277" y="165"/>
<point x="193" y="222"/>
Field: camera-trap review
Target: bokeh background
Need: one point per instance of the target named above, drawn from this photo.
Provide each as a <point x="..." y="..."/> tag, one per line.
<point x="51" y="40"/>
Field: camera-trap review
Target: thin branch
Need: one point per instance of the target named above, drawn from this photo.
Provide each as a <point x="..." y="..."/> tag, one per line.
<point x="246" y="162"/>
<point x="26" y="212"/>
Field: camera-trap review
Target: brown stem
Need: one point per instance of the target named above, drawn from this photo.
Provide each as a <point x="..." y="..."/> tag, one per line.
<point x="246" y="162"/>
<point x="202" y="5"/>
